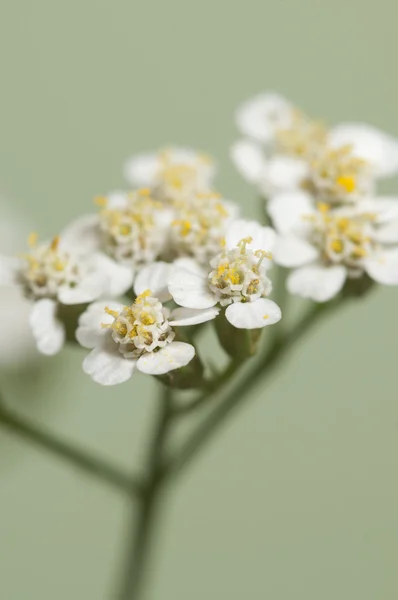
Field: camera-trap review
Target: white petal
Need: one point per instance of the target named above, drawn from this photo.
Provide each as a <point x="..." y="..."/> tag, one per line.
<point x="253" y="315"/>
<point x="90" y="332"/>
<point x="9" y="267"/>
<point x="249" y="160"/>
<point x="387" y="234"/>
<point x="190" y="289"/>
<point x="292" y="251"/>
<point x="81" y="294"/>
<point x="191" y="265"/>
<point x="261" y="116"/>
<point x="173" y="356"/>
<point x="192" y="316"/>
<point x="117" y="200"/>
<point x="82" y="236"/>
<point x="107" y="366"/>
<point x="47" y="330"/>
<point x="289" y="209"/>
<point x="378" y="148"/>
<point x="282" y="173"/>
<point x="263" y="238"/>
<point x="154" y="277"/>
<point x="141" y="170"/>
<point x="385" y="208"/>
<point x="317" y="282"/>
<point x="383" y="268"/>
<point x="118" y="278"/>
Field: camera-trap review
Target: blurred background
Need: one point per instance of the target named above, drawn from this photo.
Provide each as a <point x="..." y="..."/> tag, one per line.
<point x="297" y="495"/>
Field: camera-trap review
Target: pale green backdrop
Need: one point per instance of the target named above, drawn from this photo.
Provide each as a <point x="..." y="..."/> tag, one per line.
<point x="297" y="497"/>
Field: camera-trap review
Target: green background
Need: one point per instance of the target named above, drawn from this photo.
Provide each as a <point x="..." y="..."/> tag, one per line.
<point x="296" y="498"/>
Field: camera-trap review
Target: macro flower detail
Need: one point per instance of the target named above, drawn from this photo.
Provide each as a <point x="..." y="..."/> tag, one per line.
<point x="261" y="117"/>
<point x="130" y="227"/>
<point x="52" y="274"/>
<point x="171" y="174"/>
<point x="286" y="150"/>
<point x="200" y="226"/>
<point x="236" y="279"/>
<point x="338" y="175"/>
<point x="124" y="339"/>
<point x="326" y="245"/>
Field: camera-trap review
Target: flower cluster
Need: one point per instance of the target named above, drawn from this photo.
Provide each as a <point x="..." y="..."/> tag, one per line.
<point x="320" y="190"/>
<point x="171" y="252"/>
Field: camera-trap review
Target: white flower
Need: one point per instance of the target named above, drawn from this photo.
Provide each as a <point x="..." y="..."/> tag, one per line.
<point x="140" y="337"/>
<point x="293" y="141"/>
<point x="271" y="174"/>
<point x="199" y="226"/>
<point x="172" y="174"/>
<point x="325" y="245"/>
<point x="260" y="118"/>
<point x="287" y="150"/>
<point x="17" y="346"/>
<point x="237" y="278"/>
<point x="130" y="227"/>
<point x="377" y="148"/>
<point x="53" y="273"/>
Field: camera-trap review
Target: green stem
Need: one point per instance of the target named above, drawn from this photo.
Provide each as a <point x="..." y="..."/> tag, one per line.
<point x="144" y="518"/>
<point x="77" y="458"/>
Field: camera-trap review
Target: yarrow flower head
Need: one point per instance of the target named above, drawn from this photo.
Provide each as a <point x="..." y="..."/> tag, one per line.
<point x="200" y="226"/>
<point x="338" y="175"/>
<point x="236" y="278"/>
<point x="52" y="274"/>
<point x="326" y="245"/>
<point x="140" y="337"/>
<point x="286" y="150"/>
<point x="131" y="227"/>
<point x="172" y="174"/>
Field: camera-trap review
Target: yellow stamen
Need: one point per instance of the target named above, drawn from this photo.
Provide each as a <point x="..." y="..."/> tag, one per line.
<point x="359" y="252"/>
<point x="337" y="246"/>
<point x="55" y="243"/>
<point x="323" y="207"/>
<point x="142" y="296"/>
<point x="243" y="243"/>
<point x="112" y="313"/>
<point x="32" y="239"/>
<point x="147" y="319"/>
<point x="347" y="182"/>
<point x="101" y="201"/>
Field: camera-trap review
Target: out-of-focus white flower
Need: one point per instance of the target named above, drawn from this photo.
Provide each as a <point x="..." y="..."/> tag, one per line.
<point x="337" y="175"/>
<point x="172" y="174"/>
<point x="17" y="345"/>
<point x="261" y="117"/>
<point x="200" y="225"/>
<point x="237" y="278"/>
<point x="54" y="273"/>
<point x="291" y="151"/>
<point x="293" y="141"/>
<point x="124" y="339"/>
<point x="131" y="228"/>
<point x="377" y="148"/>
<point x="325" y="245"/>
